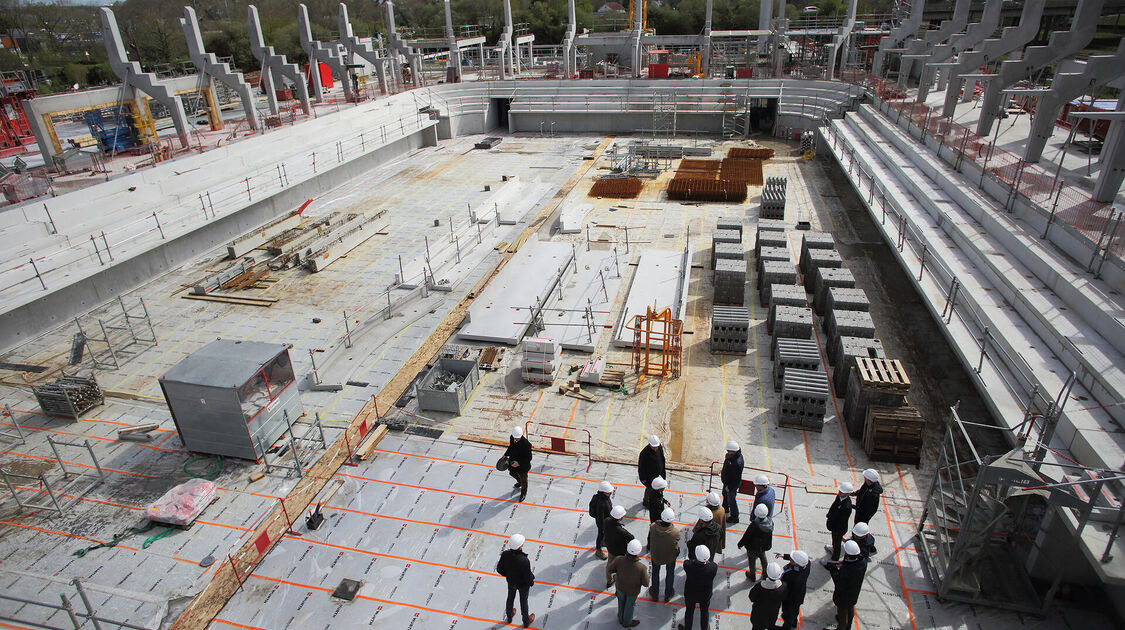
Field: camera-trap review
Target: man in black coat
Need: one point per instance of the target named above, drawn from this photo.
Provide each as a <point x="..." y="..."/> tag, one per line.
<point x="839" y="513"/>
<point x="766" y="598"/>
<point x="847" y="576"/>
<point x="731" y="477"/>
<point x="698" y="586"/>
<point x="650" y="465"/>
<point x="519" y="459"/>
<point x="867" y="497"/>
<point x="616" y="539"/>
<point x="516" y="568"/>
<point x="600" y="506"/>
<point x="757" y="540"/>
<point x="796" y="578"/>
<point x="861" y="534"/>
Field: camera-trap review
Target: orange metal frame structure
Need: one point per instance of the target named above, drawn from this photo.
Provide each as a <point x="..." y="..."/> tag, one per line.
<point x="657" y="348"/>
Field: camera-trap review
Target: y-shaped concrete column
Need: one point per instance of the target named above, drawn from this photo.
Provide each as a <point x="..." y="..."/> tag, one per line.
<point x="570" y="52"/>
<point x="917" y="49"/>
<point x="900" y="34"/>
<point x="976" y="33"/>
<point x="1062" y="44"/>
<point x="353" y="46"/>
<point x="1011" y="38"/>
<point x="454" y="47"/>
<point x="399" y="47"/>
<point x="130" y="73"/>
<point x="840" y="42"/>
<point x="322" y="53"/>
<point x="1067" y="86"/>
<point x="209" y="65"/>
<point x="274" y="66"/>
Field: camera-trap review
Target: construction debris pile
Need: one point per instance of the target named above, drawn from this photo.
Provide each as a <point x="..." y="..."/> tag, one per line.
<point x="69" y="396"/>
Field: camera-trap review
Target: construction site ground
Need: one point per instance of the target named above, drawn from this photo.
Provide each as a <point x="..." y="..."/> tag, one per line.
<point x="422" y="522"/>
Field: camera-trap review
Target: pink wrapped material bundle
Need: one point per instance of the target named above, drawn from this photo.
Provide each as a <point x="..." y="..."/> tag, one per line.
<point x="183" y="504"/>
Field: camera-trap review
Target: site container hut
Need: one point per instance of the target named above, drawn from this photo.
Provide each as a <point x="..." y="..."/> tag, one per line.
<point x="231" y="398"/>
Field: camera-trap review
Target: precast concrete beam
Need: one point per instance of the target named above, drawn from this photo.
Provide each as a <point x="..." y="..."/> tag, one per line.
<point x="353" y="47"/>
<point x="900" y="34"/>
<point x="976" y="33"/>
<point x="208" y="64"/>
<point x="1062" y="44"/>
<point x="275" y="66"/>
<point x="923" y="46"/>
<point x="1011" y="38"/>
<point x="130" y="73"/>
<point x="319" y="52"/>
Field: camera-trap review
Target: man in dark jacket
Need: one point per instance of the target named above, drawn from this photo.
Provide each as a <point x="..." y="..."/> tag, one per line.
<point x="796" y="578"/>
<point x="847" y="576"/>
<point x="706" y="532"/>
<point x="698" y="586"/>
<point x="600" y="505"/>
<point x="861" y="534"/>
<point x="764" y="493"/>
<point x="516" y="568"/>
<point x="519" y="459"/>
<point x="766" y="597"/>
<point x="656" y="500"/>
<point x="867" y="497"/>
<point x="616" y="539"/>
<point x="650" y="465"/>
<point x="757" y="540"/>
<point x="731" y="477"/>
<point x="839" y="513"/>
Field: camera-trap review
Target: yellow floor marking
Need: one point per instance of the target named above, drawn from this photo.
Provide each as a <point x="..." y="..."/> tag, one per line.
<point x="605" y="427"/>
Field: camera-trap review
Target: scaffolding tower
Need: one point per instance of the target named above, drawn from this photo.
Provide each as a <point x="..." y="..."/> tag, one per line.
<point x="664" y="113"/>
<point x="110" y="337"/>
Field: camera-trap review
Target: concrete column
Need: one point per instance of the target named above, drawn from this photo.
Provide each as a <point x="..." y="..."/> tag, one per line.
<point x="318" y="52"/>
<point x="973" y="35"/>
<point x="706" y="48"/>
<point x="363" y="50"/>
<point x="454" y="47"/>
<point x="906" y="30"/>
<point x="765" y="10"/>
<point x="1112" y="160"/>
<point x="638" y="37"/>
<point x="570" y="53"/>
<point x="921" y="47"/>
<point x="276" y="66"/>
<point x="208" y="64"/>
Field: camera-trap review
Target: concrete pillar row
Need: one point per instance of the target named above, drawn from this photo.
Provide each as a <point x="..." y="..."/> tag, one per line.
<point x="208" y="64"/>
<point x="976" y="33"/>
<point x="399" y="47"/>
<point x="918" y="48"/>
<point x="904" y="31"/>
<point x="318" y="52"/>
<point x="274" y="66"/>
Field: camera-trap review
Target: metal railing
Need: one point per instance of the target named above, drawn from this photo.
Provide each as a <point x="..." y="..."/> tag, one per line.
<point x="77" y="618"/>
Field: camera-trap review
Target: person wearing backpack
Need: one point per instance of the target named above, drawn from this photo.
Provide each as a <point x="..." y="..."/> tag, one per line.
<point x="600" y="506"/>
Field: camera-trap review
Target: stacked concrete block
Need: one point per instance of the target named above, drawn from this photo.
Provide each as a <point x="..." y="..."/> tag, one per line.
<point x="730" y="281"/>
<point x="541" y="356"/>
<point x="848" y="324"/>
<point x="784" y="295"/>
<point x="804" y="399"/>
<point x="730" y="223"/>
<point x="818" y="259"/>
<point x="846" y="299"/>
<point x="730" y="329"/>
<point x="719" y="237"/>
<point x="792" y="322"/>
<point x="775" y="272"/>
<point x="770" y="238"/>
<point x="827" y="278"/>
<point x="816" y="240"/>
<point x="780" y="254"/>
<point x="773" y="199"/>
<point x="801" y="354"/>
<point x="843" y="354"/>
<point x="730" y="251"/>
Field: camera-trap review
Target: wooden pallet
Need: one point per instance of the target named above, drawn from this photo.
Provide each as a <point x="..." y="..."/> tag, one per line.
<point x="886" y="375"/>
<point x="894" y="434"/>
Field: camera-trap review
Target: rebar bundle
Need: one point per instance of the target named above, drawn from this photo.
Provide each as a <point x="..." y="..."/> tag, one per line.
<point x="703" y="169"/>
<point x="747" y="171"/>
<point x="697" y="189"/>
<point x="760" y="153"/>
<point x="617" y="187"/>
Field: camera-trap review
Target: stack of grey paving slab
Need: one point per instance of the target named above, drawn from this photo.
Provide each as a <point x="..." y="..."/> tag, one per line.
<point x="730" y="281"/>
<point x="801" y="354"/>
<point x="804" y="399"/>
<point x="730" y="223"/>
<point x="775" y="272"/>
<point x="770" y="253"/>
<point x="784" y="295"/>
<point x="818" y="259"/>
<point x="773" y="199"/>
<point x="848" y="324"/>
<point x="793" y="322"/>
<point x="723" y="236"/>
<point x="842" y="356"/>
<point x="730" y="329"/>
<point x="730" y="251"/>
<point x="770" y="238"/>
<point x="827" y="278"/>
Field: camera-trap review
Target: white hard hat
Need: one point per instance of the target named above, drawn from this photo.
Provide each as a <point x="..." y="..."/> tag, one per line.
<point x="617" y="512"/>
<point x="517" y="432"/>
<point x="658" y="483"/>
<point x="860" y="529"/>
<point x="871" y="474"/>
<point x="605" y="487"/>
<point x="761" y="510"/>
<point x="713" y="498"/>
<point x="773" y="570"/>
<point x="799" y="558"/>
<point x="732" y="446"/>
<point x="653" y="440"/>
<point x="515" y="542"/>
<point x="846" y="488"/>
<point x="851" y="548"/>
<point x="706" y="514"/>
<point x="702" y="553"/>
<point x="761" y="480"/>
<point x="668" y="515"/>
<point x="634" y="547"/>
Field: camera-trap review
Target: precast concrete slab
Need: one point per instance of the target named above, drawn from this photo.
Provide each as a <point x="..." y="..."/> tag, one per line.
<point x="593" y="285"/>
<point x="660" y="282"/>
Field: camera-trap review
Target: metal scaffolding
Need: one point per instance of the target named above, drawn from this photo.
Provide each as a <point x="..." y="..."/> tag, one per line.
<point x="113" y="337"/>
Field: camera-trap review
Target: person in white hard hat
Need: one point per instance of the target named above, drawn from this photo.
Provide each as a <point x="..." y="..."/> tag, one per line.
<point x="617" y="539"/>
<point x="650" y="465"/>
<point x="519" y="459"/>
<point x="699" y="584"/>
<point x="861" y="534"/>
<point x="600" y="506"/>
<point x="867" y="496"/>
<point x="663" y="548"/>
<point x="630" y="575"/>
<point x="847" y="576"/>
<point x="796" y="578"/>
<point x="764" y="493"/>
<point x="714" y="503"/>
<point x="839" y="513"/>
<point x="757" y="540"/>
<point x="766" y="598"/>
<point x="656" y="500"/>
<point x="706" y="532"/>
<point x="516" y="569"/>
<point x="731" y="476"/>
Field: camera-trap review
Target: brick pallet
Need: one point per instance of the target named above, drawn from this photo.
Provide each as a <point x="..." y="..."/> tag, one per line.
<point x="729" y="251"/>
<point x="843" y="355"/>
<point x="730" y="281"/>
<point x="846" y="299"/>
<point x="779" y="254"/>
<point x="827" y="278"/>
<point x="784" y="295"/>
<point x="848" y="324"/>
<point x="773" y="203"/>
<point x="792" y="322"/>
<point x="775" y="272"/>
<point x="730" y="329"/>
<point x="873" y="382"/>
<point x="730" y="223"/>
<point x="770" y="238"/>
<point x="816" y="240"/>
<point x="815" y="259"/>
<point x="802" y="354"/>
<point x="894" y="434"/>
<point x="804" y="399"/>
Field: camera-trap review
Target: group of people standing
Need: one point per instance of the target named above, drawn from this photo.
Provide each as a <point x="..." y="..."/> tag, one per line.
<point x="779" y="588"/>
